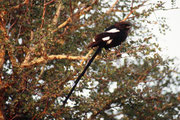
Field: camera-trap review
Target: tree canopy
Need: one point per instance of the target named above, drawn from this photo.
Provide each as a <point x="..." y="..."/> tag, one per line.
<point x="43" y="47"/>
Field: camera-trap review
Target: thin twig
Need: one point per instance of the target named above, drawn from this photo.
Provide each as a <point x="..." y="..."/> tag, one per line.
<point x="112" y="7"/>
<point x="87" y="55"/>
<point x="44" y="11"/>
<point x="20" y="5"/>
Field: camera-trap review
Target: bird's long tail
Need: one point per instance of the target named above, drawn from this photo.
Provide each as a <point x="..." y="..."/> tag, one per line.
<point x="79" y="77"/>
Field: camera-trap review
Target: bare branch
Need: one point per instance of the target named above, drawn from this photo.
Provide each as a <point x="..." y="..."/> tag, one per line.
<point x="47" y="3"/>
<point x="2" y="53"/>
<point x="18" y="6"/>
<point x="56" y="16"/>
<point x="112" y="7"/>
<point x="31" y="49"/>
<point x="134" y="8"/>
<point x="44" y="11"/>
<point x="87" y="55"/>
<point x="78" y="14"/>
<point x="51" y="57"/>
<point x="6" y="42"/>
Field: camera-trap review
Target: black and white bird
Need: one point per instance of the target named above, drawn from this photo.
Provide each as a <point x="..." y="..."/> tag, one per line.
<point x="111" y="37"/>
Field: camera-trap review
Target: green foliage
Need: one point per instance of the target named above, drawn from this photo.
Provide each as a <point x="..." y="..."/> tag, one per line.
<point x="132" y="81"/>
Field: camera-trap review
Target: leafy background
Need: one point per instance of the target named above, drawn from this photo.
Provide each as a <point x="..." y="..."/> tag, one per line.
<point x="43" y="48"/>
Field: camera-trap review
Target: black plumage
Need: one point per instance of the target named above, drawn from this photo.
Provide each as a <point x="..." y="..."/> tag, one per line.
<point x="113" y="36"/>
<point x="117" y="34"/>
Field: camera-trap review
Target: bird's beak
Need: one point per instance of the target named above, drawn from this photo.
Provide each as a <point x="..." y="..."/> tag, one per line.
<point x="128" y="27"/>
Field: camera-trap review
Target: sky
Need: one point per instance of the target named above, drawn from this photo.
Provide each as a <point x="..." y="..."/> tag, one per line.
<point x="170" y="42"/>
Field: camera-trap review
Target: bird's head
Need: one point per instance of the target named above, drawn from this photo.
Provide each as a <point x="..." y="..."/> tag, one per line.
<point x="124" y="25"/>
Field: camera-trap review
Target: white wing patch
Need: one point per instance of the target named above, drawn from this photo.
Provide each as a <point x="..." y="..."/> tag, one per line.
<point x="114" y="30"/>
<point x="106" y="38"/>
<point x="109" y="41"/>
<point x="94" y="40"/>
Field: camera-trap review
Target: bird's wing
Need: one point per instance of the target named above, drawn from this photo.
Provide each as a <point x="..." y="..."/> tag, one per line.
<point x="109" y="28"/>
<point x="100" y="39"/>
<point x="112" y="29"/>
<point x="105" y="37"/>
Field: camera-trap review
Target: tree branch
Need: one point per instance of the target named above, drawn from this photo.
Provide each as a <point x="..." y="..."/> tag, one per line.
<point x="44" y="11"/>
<point x="112" y="7"/>
<point x="77" y="14"/>
<point x="6" y="41"/>
<point x="20" y="5"/>
<point x="51" y="57"/>
<point x="56" y="16"/>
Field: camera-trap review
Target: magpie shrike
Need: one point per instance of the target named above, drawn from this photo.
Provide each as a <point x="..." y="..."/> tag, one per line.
<point x="111" y="37"/>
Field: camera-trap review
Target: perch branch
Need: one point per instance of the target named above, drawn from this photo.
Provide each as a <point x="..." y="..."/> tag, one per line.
<point x="51" y="57"/>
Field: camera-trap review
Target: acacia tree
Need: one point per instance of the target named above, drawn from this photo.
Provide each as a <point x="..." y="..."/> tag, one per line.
<point x="43" y="48"/>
